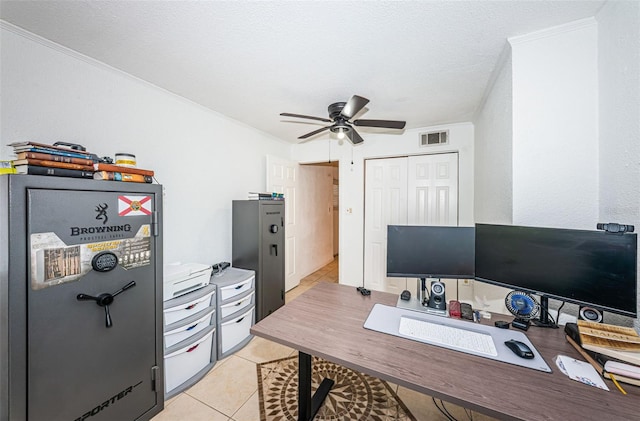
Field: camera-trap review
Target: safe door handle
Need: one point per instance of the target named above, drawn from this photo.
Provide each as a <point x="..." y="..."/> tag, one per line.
<point x="104" y="300"/>
<point x="274" y="248"/>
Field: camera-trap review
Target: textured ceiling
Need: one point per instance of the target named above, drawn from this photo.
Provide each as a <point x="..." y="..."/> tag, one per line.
<point x="426" y="62"/>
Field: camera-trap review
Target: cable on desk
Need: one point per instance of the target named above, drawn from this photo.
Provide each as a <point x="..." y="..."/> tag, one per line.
<point x="555" y="322"/>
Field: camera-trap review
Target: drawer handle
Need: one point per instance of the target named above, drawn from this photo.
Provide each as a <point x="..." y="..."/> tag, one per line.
<point x="192" y="348"/>
<point x="239" y="286"/>
<point x="191" y="306"/>
<point x="239" y="303"/>
<point x="191" y="327"/>
<point x="239" y="320"/>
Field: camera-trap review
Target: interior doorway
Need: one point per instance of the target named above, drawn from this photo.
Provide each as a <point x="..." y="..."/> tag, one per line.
<point x="319" y="203"/>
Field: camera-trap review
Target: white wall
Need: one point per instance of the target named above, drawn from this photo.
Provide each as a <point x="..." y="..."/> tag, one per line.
<point x="536" y="137"/>
<point x="377" y="145"/>
<point x="555" y="126"/>
<point x="203" y="159"/>
<point x="619" y="78"/>
<point x="493" y="179"/>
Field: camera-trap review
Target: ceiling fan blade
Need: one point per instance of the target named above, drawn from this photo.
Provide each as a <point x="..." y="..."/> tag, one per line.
<point x="306" y="116"/>
<point x="387" y="124"/>
<point x="355" y="104"/>
<point x="304" y="136"/>
<point x="354" y="137"/>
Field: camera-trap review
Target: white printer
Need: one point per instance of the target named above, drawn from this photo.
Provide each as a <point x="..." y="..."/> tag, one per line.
<point x="182" y="278"/>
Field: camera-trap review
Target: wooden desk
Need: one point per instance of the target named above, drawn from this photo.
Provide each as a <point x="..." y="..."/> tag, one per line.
<point x="327" y="320"/>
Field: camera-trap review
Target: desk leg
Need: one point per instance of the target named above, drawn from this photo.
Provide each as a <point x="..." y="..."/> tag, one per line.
<point x="308" y="405"/>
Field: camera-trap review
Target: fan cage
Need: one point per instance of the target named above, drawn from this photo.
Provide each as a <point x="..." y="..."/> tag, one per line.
<point x="532" y="307"/>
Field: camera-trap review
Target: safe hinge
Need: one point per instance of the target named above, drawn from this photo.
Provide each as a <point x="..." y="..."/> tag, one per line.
<point x="154" y="224"/>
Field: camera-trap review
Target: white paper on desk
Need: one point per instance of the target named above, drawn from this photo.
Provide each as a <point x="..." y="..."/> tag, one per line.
<point x="580" y="371"/>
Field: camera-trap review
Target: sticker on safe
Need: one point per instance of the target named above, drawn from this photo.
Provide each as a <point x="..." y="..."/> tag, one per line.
<point x="134" y="205"/>
<point x="53" y="262"/>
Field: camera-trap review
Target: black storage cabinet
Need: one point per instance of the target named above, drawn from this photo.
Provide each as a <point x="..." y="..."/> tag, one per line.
<point x="258" y="245"/>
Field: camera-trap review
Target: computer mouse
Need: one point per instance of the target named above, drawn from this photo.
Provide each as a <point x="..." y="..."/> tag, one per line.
<point x="405" y="295"/>
<point x="521" y="349"/>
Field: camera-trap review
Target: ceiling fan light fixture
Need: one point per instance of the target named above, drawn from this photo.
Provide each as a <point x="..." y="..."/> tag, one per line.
<point x="341" y="130"/>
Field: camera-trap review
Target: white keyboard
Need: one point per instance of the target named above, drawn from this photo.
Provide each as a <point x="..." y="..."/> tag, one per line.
<point x="439" y="334"/>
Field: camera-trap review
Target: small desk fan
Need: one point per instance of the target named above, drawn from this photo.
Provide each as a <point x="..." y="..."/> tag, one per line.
<point x="523" y="306"/>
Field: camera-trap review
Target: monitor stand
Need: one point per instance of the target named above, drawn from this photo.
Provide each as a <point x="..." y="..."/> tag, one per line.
<point x="543" y="320"/>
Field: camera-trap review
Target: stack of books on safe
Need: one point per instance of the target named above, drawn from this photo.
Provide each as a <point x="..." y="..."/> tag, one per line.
<point x="41" y="159"/>
<point x="614" y="351"/>
<point x="265" y="196"/>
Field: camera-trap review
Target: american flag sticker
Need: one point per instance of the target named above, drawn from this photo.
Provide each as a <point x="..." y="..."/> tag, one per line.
<point x="134" y="205"/>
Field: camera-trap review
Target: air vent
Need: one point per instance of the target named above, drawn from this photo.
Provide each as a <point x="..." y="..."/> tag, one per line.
<point x="434" y="138"/>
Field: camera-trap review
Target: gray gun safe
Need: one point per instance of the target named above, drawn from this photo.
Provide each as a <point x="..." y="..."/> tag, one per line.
<point x="80" y="299"/>
<point x="258" y="243"/>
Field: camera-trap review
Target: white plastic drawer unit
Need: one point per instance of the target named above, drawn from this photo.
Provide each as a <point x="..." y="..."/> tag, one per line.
<point x="236" y="330"/>
<point x="233" y="290"/>
<point x="188" y="327"/>
<point x="237" y="305"/>
<point x="187" y="305"/>
<point x="187" y="360"/>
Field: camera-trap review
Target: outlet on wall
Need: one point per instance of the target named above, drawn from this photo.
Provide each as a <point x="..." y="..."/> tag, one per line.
<point x="466" y="283"/>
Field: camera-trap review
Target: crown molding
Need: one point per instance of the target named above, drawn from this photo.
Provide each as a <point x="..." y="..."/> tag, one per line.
<point x="554" y="31"/>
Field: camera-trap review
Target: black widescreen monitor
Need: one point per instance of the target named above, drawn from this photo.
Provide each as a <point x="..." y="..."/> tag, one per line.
<point x="592" y="268"/>
<point x="430" y="251"/>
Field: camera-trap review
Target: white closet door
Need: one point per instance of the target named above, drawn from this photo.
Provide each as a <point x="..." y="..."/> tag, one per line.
<point x="433" y="189"/>
<point x="415" y="190"/>
<point x="282" y="177"/>
<point x="385" y="203"/>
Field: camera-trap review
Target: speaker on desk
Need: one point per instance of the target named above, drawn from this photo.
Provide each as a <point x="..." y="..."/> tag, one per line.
<point x="590" y="314"/>
<point x="437" y="296"/>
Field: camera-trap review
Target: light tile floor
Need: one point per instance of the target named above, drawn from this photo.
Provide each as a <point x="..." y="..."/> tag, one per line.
<point x="229" y="392"/>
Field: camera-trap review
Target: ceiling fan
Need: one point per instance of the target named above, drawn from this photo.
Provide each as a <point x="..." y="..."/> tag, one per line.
<point x="340" y="114"/>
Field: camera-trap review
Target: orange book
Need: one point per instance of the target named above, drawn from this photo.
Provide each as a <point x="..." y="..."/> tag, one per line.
<point x="99" y="166"/>
<point x="52" y="157"/>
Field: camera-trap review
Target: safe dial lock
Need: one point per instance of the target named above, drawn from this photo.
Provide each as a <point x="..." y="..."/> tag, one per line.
<point x="273" y="228"/>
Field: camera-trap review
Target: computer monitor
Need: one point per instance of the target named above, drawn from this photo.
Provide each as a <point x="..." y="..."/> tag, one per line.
<point x="430" y="251"/>
<point x="590" y="268"/>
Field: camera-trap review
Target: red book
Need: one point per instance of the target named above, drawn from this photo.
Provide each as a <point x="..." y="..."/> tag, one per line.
<point x="55" y="164"/>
